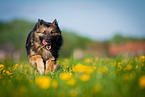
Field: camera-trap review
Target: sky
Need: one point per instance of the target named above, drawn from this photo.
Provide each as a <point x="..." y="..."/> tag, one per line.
<point x="95" y="19"/>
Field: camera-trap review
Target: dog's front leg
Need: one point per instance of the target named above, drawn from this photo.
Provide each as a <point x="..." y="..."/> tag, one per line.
<point x="37" y="61"/>
<point x="49" y="65"/>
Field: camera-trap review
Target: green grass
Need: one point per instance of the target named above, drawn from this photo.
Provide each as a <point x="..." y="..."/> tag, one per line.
<point x="88" y="77"/>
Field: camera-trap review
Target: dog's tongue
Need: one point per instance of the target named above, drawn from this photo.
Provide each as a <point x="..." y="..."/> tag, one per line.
<point x="44" y="42"/>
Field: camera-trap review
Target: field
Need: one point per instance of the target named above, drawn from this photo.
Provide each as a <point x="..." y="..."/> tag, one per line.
<point x="87" y="77"/>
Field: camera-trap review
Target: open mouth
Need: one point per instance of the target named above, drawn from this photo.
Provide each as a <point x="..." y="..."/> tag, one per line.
<point x="47" y="44"/>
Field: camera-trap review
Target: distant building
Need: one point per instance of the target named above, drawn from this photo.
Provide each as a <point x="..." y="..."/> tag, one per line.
<point x="78" y="53"/>
<point x="7" y="51"/>
<point x="130" y="48"/>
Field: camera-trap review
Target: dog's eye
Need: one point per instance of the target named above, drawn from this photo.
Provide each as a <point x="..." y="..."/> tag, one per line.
<point x="44" y="32"/>
<point x="52" y="32"/>
<point x="38" y="32"/>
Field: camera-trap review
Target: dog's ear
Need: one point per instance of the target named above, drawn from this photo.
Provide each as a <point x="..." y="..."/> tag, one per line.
<point x="40" y="22"/>
<point x="55" y="22"/>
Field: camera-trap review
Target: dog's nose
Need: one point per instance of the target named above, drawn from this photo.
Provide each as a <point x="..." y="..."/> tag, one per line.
<point x="48" y="39"/>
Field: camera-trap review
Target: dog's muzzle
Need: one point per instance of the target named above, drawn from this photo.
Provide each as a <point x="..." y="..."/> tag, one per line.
<point x="47" y="44"/>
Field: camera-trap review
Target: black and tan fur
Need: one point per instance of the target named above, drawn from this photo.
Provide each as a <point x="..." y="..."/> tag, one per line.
<point x="43" y="56"/>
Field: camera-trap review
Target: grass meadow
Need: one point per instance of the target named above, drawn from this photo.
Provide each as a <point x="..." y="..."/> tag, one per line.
<point x="87" y="77"/>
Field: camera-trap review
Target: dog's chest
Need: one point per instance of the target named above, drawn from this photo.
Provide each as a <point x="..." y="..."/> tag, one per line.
<point x="46" y="54"/>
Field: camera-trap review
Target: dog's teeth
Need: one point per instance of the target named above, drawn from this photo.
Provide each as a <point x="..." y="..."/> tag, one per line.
<point x="48" y="47"/>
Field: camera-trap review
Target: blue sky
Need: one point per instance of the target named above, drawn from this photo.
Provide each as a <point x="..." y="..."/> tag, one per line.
<point x="96" y="19"/>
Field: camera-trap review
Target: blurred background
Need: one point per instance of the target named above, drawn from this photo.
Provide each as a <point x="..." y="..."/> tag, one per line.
<point x="89" y="27"/>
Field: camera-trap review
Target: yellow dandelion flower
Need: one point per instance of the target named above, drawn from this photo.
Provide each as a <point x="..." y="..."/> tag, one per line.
<point x="136" y="67"/>
<point x="48" y="71"/>
<point x="70" y="69"/>
<point x="15" y="66"/>
<point x="88" y="69"/>
<point x="119" y="63"/>
<point x="25" y="71"/>
<point x="81" y="68"/>
<point x="4" y="71"/>
<point x="27" y="66"/>
<point x="71" y="82"/>
<point x="128" y="67"/>
<point x="8" y="73"/>
<point x="119" y="66"/>
<point x="43" y="82"/>
<point x="136" y="58"/>
<point x="1" y="67"/>
<point x="54" y="84"/>
<point x="65" y="76"/>
<point x="94" y="67"/>
<point x="142" y="81"/>
<point x="78" y="68"/>
<point x="31" y="68"/>
<point x="142" y="59"/>
<point x="87" y="60"/>
<point x="85" y="77"/>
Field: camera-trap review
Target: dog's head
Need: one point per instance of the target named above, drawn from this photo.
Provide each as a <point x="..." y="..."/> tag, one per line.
<point x="48" y="33"/>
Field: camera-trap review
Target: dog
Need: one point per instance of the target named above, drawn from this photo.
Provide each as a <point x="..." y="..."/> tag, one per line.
<point x="43" y="44"/>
